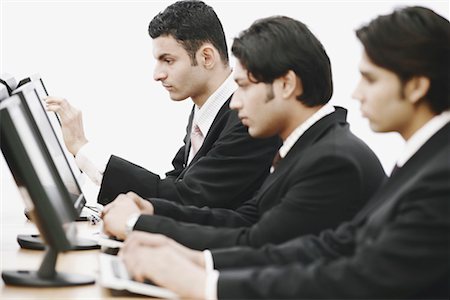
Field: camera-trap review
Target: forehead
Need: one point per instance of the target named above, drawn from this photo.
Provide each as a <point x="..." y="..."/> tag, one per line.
<point x="365" y="64"/>
<point x="239" y="72"/>
<point x="167" y="45"/>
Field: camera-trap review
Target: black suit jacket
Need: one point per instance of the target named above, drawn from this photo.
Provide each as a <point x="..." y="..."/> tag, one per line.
<point x="325" y="179"/>
<point x="229" y="166"/>
<point x="396" y="247"/>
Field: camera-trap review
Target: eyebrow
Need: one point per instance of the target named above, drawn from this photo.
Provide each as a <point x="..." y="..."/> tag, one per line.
<point x="164" y="55"/>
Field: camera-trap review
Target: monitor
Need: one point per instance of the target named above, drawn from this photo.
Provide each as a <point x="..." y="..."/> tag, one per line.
<point x="43" y="192"/>
<point x="42" y="93"/>
<point x="31" y="101"/>
<point x="32" y="104"/>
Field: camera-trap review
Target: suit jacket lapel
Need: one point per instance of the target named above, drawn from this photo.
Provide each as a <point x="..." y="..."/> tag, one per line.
<point x="309" y="137"/>
<point x="387" y="196"/>
<point x="214" y="132"/>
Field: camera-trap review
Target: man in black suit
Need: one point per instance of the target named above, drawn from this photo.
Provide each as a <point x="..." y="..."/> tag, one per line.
<point x="398" y="245"/>
<point x="224" y="164"/>
<point x="325" y="176"/>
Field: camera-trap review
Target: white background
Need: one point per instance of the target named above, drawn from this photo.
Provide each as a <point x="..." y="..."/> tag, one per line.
<point x="98" y="55"/>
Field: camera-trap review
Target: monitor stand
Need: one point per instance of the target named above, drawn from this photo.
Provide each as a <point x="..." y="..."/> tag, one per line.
<point x="34" y="242"/>
<point x="46" y="276"/>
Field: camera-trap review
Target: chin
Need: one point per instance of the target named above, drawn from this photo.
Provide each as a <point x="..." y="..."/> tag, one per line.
<point x="376" y="128"/>
<point x="259" y="134"/>
<point x="177" y="97"/>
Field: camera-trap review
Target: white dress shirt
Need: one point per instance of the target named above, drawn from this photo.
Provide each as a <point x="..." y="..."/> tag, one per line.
<point x="213" y="275"/>
<point x="204" y="116"/>
<point x="92" y="159"/>
<point x="417" y="140"/>
<point x="421" y="136"/>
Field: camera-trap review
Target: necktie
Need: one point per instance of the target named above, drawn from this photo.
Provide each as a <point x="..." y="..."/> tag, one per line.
<point x="276" y="160"/>
<point x="394" y="170"/>
<point x="196" y="139"/>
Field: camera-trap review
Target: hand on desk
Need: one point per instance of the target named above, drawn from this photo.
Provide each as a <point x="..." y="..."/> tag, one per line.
<point x="165" y="262"/>
<point x="71" y="123"/>
<point x="116" y="214"/>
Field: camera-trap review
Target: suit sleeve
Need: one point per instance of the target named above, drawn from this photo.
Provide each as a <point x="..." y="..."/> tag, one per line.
<point x="247" y="215"/>
<point x="407" y="257"/>
<point x="122" y="176"/>
<point x="330" y="244"/>
<point x="228" y="174"/>
<point x="305" y="208"/>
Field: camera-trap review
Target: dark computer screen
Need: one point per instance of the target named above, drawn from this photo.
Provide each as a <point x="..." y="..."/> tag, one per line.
<point x="43" y="192"/>
<point x="36" y="176"/>
<point x="31" y="101"/>
<point x="42" y="93"/>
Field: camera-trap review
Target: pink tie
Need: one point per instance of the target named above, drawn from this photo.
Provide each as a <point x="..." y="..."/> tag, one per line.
<point x="276" y="160"/>
<point x="196" y="139"/>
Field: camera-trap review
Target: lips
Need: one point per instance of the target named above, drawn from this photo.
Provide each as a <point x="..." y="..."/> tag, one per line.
<point x="244" y="120"/>
<point x="167" y="87"/>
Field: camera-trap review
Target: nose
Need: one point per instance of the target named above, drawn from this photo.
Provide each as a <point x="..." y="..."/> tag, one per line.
<point x="236" y="102"/>
<point x="357" y="93"/>
<point x="159" y="74"/>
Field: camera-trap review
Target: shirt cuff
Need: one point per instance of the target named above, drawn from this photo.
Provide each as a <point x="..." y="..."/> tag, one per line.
<point x="211" y="285"/>
<point x="209" y="263"/>
<point x="92" y="161"/>
<point x="212" y="276"/>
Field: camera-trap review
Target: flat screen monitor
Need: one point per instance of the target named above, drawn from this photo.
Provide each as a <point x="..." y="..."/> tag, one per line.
<point x="42" y="93"/>
<point x="43" y="191"/>
<point x="31" y="102"/>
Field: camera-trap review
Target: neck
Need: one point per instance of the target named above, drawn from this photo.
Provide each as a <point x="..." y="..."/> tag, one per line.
<point x="215" y="79"/>
<point x="298" y="116"/>
<point x="422" y="115"/>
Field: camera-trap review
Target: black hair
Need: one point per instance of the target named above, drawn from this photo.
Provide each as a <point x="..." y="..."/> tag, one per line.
<point x="273" y="46"/>
<point x="412" y="41"/>
<point x="191" y="23"/>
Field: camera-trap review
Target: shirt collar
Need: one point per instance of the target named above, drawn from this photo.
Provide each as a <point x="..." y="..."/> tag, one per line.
<point x="302" y="128"/>
<point x="422" y="135"/>
<point x="205" y="115"/>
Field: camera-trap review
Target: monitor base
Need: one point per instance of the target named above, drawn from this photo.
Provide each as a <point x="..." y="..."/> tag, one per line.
<point x="34" y="242"/>
<point x="32" y="279"/>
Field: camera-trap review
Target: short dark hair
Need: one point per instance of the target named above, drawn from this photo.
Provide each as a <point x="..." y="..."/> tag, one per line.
<point x="273" y="46"/>
<point x="191" y="23"/>
<point x="412" y="41"/>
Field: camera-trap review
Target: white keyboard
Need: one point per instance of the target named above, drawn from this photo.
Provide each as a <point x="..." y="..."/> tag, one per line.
<point x="114" y="275"/>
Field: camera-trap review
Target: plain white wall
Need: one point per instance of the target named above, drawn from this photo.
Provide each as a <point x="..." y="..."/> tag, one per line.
<point x="98" y="55"/>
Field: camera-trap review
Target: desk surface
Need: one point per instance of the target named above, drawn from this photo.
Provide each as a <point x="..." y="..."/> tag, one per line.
<point x="12" y="257"/>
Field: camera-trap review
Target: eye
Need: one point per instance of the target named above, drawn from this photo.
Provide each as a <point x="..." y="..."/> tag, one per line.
<point x="368" y="79"/>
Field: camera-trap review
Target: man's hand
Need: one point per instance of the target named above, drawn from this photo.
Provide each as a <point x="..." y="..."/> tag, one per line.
<point x="145" y="239"/>
<point x="167" y="268"/>
<point x="71" y="123"/>
<point x="116" y="214"/>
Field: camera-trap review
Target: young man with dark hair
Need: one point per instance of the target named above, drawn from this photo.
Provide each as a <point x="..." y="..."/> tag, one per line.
<point x="398" y="245"/>
<point x="325" y="174"/>
<point x="219" y="165"/>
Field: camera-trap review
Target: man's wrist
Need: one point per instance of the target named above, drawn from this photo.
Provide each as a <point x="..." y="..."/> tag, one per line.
<point x="77" y="146"/>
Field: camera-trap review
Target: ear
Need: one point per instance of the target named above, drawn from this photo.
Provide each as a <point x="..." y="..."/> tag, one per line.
<point x="208" y="56"/>
<point x="291" y="85"/>
<point x="416" y="88"/>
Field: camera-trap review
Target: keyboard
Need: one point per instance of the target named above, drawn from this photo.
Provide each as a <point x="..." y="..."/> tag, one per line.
<point x="114" y="275"/>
